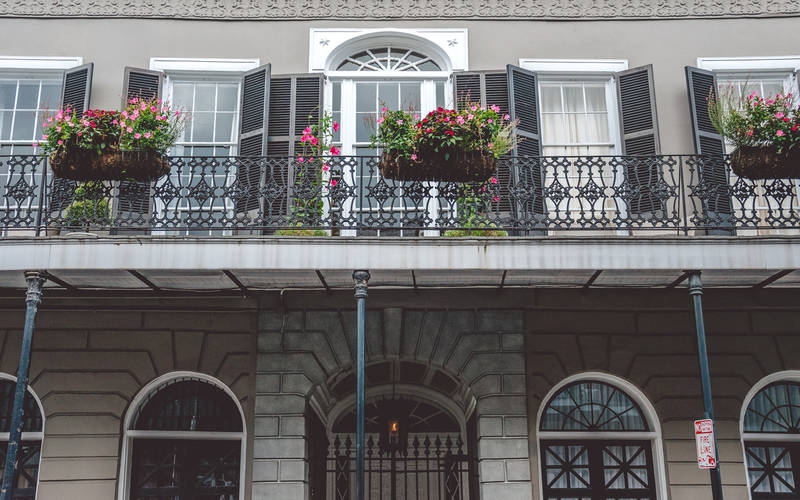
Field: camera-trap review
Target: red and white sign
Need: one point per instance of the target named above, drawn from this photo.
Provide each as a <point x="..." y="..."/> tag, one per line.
<point x="706" y="451"/>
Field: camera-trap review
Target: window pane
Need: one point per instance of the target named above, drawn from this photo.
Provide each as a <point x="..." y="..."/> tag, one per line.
<point x="204" y="97"/>
<point x="387" y="95"/>
<point x="366" y="97"/>
<point x="182" y="96"/>
<point x="202" y="127"/>
<point x="592" y="128"/>
<point x="595" y="98"/>
<point x="8" y="94"/>
<point x="573" y="98"/>
<point x="772" y="88"/>
<point x="227" y="98"/>
<point x="224" y="127"/>
<point x="51" y="95"/>
<point x="551" y="98"/>
<point x="23" y="126"/>
<point x="5" y="124"/>
<point x="337" y="96"/>
<point x="440" y="94"/>
<point x="365" y="126"/>
<point x="28" y="96"/>
<point x="553" y="129"/>
<point x="410" y="96"/>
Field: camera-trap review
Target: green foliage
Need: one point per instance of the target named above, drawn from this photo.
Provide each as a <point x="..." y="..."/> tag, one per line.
<point x="756" y="121"/>
<point x="484" y="233"/>
<point x="93" y="129"/>
<point x="301" y="232"/>
<point x="89" y="206"/>
<point x="312" y="168"/>
<point x="473" y="205"/>
<point x="474" y="128"/>
<point x="150" y="125"/>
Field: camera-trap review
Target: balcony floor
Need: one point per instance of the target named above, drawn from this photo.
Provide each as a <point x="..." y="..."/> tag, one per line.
<point x="234" y="264"/>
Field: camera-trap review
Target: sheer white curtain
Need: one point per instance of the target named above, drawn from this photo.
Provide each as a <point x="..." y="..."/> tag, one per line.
<point x="575" y="119"/>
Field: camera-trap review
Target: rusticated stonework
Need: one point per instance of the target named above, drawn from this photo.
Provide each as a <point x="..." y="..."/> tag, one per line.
<point x="393" y="9"/>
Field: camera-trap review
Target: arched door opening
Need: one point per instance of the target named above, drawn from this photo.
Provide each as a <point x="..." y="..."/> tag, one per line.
<point x="414" y="450"/>
<point x="184" y="440"/>
<point x="27" y="476"/>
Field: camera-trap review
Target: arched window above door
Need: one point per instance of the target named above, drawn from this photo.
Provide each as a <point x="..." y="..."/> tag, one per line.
<point x="592" y="406"/>
<point x="388" y="59"/>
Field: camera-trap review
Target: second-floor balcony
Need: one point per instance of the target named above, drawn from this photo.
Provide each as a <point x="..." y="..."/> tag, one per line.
<point x="530" y="196"/>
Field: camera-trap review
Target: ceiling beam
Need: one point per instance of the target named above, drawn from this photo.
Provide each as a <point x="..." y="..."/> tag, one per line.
<point x="679" y="280"/>
<point x="236" y="281"/>
<point x="414" y="279"/>
<point x="139" y="276"/>
<point x="58" y="281"/>
<point x="322" y="280"/>
<point x="592" y="278"/>
<point x="503" y="279"/>
<point x="772" y="279"/>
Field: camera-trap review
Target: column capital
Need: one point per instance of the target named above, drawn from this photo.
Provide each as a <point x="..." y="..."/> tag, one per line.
<point x="35" y="281"/>
<point x="695" y="283"/>
<point x="360" y="280"/>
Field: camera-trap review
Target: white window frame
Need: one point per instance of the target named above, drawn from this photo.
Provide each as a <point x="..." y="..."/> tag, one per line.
<point x="123" y="491"/>
<point x="782" y="376"/>
<point x="28" y="436"/>
<point x="786" y="66"/>
<point x="633" y="392"/>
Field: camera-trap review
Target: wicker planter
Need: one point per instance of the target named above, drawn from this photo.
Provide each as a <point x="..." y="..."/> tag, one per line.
<point x="87" y="165"/>
<point x="469" y="166"/>
<point x="765" y="163"/>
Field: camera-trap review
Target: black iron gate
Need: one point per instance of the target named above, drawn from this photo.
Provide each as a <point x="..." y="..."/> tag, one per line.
<point x="423" y="467"/>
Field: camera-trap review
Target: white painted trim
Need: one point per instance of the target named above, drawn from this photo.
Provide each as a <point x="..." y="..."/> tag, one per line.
<point x="786" y="375"/>
<point x="600" y="66"/>
<point x="29" y="436"/>
<point x="447" y="46"/>
<point x="203" y="64"/>
<point x="634" y="393"/>
<point x="39" y="62"/>
<point x="769" y="63"/>
<point x="123" y="488"/>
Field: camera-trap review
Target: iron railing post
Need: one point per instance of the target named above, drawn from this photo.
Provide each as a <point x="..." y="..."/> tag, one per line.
<point x="696" y="291"/>
<point x="42" y="204"/>
<point x="33" y="297"/>
<point x="360" y="278"/>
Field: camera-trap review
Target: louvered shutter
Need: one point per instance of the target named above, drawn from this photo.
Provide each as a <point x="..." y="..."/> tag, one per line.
<point x="523" y="91"/>
<point x="638" y="119"/>
<point x="295" y="102"/>
<point x="133" y="200"/>
<point x="718" y="207"/>
<point x="76" y="93"/>
<point x="252" y="136"/>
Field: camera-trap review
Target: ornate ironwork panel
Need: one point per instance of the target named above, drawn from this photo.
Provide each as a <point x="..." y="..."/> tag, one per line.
<point x="592" y="406"/>
<point x="28" y="469"/>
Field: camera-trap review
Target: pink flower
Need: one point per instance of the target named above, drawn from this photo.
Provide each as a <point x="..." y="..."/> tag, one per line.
<point x="144" y="106"/>
<point x="129" y="130"/>
<point x="335" y="150"/>
<point x="779" y="133"/>
<point x="60" y="142"/>
<point x="147" y="135"/>
<point x="44" y="137"/>
<point x="177" y="113"/>
<point x="58" y="129"/>
<point x="496" y="198"/>
<point x="493" y="180"/>
<point x="333" y="182"/>
<point x="85" y="123"/>
<point x="153" y="109"/>
<point x="506" y="117"/>
<point x="314" y="141"/>
<point x="474" y="108"/>
<point x="134" y="100"/>
<point x="380" y="120"/>
<point x="325" y="167"/>
<point x="335" y="126"/>
<point x="414" y="156"/>
<point x="137" y="135"/>
<point x="749" y="132"/>
<point x="779" y="114"/>
<point x="384" y="109"/>
<point x="125" y="114"/>
<point x="399" y="122"/>
<point x="121" y="124"/>
<point x="470" y="116"/>
<point x="300" y="159"/>
<point x="489" y="120"/>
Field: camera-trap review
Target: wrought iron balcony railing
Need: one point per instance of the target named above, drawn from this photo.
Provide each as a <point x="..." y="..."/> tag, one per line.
<point x="678" y="194"/>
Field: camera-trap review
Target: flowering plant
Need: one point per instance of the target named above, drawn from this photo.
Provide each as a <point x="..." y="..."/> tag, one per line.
<point x="754" y="121"/>
<point x="474" y="128"/>
<point x="149" y="124"/>
<point x="94" y="129"/>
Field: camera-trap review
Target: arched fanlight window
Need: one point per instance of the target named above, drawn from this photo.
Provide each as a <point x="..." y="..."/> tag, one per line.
<point x="771" y="433"/>
<point x="595" y="442"/>
<point x="184" y="440"/>
<point x="31" y="446"/>
<point x="388" y="59"/>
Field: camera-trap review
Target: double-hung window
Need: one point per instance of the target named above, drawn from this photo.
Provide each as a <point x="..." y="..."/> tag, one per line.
<point x="208" y="92"/>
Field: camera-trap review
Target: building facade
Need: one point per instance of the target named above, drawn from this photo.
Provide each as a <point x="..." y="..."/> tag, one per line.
<point x="188" y="346"/>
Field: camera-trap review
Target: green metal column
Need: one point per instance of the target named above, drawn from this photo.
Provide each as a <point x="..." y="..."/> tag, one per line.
<point x="35" y="282"/>
<point x="360" y="278"/>
<point x="696" y="291"/>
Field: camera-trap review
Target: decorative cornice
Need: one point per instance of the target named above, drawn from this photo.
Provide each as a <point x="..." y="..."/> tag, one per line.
<point x="399" y="9"/>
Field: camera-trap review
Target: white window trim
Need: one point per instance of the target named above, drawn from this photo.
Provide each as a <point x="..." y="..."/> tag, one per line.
<point x="449" y="46"/>
<point x="649" y="411"/>
<point x="786" y="67"/>
<point x="34" y="62"/>
<point x="168" y="64"/>
<point x="787" y="376"/>
<point x="123" y="492"/>
<point x="28" y="436"/>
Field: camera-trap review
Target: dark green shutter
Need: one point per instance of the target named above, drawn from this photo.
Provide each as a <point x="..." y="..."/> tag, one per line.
<point x="133" y="202"/>
<point x="76" y="93"/>
<point x="252" y="136"/>
<point x="712" y="168"/>
<point x="638" y="119"/>
<point x="142" y="84"/>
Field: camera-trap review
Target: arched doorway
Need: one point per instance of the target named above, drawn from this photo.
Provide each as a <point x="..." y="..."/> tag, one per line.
<point x="415" y="449"/>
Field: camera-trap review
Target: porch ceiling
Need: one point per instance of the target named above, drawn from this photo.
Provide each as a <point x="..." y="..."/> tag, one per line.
<point x="252" y="264"/>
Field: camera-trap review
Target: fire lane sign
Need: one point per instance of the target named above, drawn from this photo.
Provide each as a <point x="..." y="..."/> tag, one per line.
<point x="704" y="437"/>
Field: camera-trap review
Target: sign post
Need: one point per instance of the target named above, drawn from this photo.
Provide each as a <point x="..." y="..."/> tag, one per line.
<point x="706" y="449"/>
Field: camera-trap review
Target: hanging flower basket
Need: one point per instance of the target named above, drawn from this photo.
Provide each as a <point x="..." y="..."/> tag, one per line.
<point x="86" y="165"/>
<point x="459" y="166"/>
<point x="752" y="162"/>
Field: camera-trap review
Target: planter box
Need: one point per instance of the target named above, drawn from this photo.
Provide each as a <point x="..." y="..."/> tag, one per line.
<point x="470" y="166"/>
<point x="765" y="163"/>
<point x="87" y="165"/>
